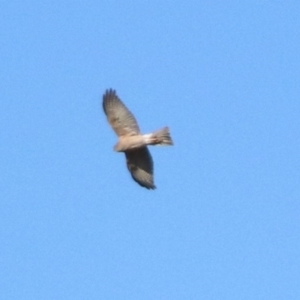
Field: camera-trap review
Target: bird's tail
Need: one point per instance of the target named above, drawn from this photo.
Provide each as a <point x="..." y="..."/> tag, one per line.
<point x="160" y="137"/>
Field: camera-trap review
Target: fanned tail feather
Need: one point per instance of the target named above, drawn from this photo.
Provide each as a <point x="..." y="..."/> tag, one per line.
<point x="162" y="137"/>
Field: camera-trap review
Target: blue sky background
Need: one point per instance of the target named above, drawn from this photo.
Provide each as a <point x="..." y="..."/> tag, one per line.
<point x="224" y="220"/>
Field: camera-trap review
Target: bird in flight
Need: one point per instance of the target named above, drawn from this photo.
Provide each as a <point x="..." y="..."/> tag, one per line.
<point x="131" y="141"/>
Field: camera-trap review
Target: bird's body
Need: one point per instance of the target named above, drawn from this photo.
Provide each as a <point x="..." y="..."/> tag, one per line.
<point x="131" y="141"/>
<point x="126" y="143"/>
<point x="161" y="137"/>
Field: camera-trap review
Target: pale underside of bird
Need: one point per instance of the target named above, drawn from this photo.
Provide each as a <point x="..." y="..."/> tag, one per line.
<point x="131" y="141"/>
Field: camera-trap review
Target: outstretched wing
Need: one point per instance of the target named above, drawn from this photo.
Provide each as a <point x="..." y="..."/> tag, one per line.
<point x="118" y="115"/>
<point x="140" y="165"/>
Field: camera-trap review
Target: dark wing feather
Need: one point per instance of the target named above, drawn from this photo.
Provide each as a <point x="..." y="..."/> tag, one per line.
<point x="140" y="165"/>
<point x="119" y="116"/>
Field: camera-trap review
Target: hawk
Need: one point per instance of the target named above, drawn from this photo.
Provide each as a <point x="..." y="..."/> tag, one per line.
<point x="131" y="141"/>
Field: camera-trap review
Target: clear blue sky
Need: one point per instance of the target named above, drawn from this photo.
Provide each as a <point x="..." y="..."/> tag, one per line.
<point x="224" y="222"/>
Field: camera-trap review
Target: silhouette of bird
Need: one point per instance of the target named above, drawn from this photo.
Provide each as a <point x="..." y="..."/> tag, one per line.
<point x="131" y="141"/>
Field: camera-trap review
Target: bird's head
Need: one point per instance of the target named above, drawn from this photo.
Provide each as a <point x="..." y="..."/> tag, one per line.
<point x="117" y="147"/>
